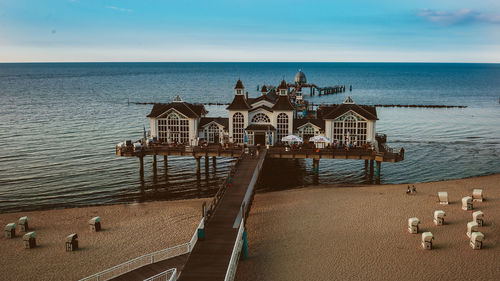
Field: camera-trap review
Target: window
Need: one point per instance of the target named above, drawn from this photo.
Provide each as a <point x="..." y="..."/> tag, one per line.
<point x="261" y="118"/>
<point x="212" y="133"/>
<point x="350" y="127"/>
<point x="282" y="130"/>
<point x="307" y="130"/>
<point x="174" y="128"/>
<point x="238" y="127"/>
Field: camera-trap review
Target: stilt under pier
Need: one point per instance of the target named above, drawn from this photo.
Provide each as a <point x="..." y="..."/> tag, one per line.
<point x="316" y="165"/>
<point x="198" y="160"/>
<point x="377" y="174"/>
<point x="141" y="166"/>
<point x="154" y="165"/>
<point x="165" y="161"/>
<point x="214" y="163"/>
<point x="366" y="164"/>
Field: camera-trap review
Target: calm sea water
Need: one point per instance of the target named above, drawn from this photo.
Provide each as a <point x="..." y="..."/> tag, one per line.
<point x="59" y="124"/>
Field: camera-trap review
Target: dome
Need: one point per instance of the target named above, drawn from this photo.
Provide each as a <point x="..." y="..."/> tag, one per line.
<point x="300" y="78"/>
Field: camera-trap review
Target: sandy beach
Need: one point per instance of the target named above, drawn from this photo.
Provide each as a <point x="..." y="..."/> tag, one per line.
<point x="129" y="231"/>
<point x="360" y="233"/>
<point x="317" y="233"/>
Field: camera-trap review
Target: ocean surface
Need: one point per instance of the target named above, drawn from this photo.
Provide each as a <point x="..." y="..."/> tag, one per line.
<point x="60" y="122"/>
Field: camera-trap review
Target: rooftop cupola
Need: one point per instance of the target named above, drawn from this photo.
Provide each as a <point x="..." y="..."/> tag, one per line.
<point x="283" y="88"/>
<point x="263" y="91"/>
<point x="178" y="99"/>
<point x="238" y="89"/>
<point x="300" y="78"/>
<point x="348" y="100"/>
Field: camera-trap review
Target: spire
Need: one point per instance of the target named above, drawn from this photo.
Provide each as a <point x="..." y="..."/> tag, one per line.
<point x="263" y="90"/>
<point x="283" y="88"/>
<point x="238" y="89"/>
<point x="348" y="100"/>
<point x="178" y="99"/>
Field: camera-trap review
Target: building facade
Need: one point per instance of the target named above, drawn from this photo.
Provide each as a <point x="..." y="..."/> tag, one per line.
<point x="263" y="120"/>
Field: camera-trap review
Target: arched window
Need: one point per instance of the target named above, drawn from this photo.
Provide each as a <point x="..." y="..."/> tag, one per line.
<point x="212" y="133"/>
<point x="306" y="132"/>
<point x="261" y="118"/>
<point x="174" y="128"/>
<point x="282" y="130"/>
<point x="350" y="128"/>
<point x="238" y="127"/>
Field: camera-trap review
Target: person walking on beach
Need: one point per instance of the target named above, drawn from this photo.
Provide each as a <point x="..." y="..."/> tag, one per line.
<point x="408" y="191"/>
<point x="414" y="189"/>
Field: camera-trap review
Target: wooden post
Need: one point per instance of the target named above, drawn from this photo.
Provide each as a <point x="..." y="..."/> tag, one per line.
<point x="366" y="164"/>
<point x="141" y="166"/>
<point x="165" y="161"/>
<point x="377" y="174"/>
<point x="154" y="164"/>
<point x="316" y="166"/>
<point x="214" y="163"/>
<point x="198" y="159"/>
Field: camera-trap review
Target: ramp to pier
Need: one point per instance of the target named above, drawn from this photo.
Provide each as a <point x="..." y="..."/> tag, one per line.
<point x="210" y="258"/>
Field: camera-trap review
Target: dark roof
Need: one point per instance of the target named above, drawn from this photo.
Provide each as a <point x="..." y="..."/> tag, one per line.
<point x="283" y="103"/>
<point x="263" y="107"/>
<point x="187" y="109"/>
<point x="238" y="103"/>
<point x="260" y="127"/>
<point x="268" y="97"/>
<point x="301" y="122"/>
<point x="264" y="89"/>
<point x="367" y="111"/>
<point x="239" y="85"/>
<point x="283" y="85"/>
<point x="219" y="120"/>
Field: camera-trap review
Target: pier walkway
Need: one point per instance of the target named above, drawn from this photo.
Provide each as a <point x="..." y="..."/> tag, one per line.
<point x="210" y="258"/>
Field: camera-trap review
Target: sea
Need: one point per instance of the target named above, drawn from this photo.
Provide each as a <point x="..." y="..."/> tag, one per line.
<point x="60" y="122"/>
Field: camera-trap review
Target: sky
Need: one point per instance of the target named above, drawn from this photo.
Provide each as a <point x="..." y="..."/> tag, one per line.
<point x="216" y="30"/>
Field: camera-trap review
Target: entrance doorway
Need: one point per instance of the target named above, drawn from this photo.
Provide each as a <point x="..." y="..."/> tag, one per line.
<point x="260" y="138"/>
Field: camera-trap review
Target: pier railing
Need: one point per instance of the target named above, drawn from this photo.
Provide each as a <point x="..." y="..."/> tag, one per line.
<point x="167" y="275"/>
<point x="235" y="256"/>
<point x="390" y="153"/>
<point x="147" y="259"/>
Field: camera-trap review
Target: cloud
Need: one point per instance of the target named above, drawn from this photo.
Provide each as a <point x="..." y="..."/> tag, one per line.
<point x="125" y="10"/>
<point x="461" y="16"/>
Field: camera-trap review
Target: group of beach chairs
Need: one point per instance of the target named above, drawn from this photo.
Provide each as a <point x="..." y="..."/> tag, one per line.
<point x="29" y="238"/>
<point x="475" y="236"/>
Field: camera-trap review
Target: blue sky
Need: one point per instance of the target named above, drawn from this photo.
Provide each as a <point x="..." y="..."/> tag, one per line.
<point x="153" y="30"/>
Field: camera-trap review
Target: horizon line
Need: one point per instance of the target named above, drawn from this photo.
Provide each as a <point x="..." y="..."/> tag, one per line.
<point x="423" y="62"/>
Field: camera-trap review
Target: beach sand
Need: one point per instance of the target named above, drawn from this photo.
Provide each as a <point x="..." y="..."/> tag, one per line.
<point x="129" y="231"/>
<point x="360" y="233"/>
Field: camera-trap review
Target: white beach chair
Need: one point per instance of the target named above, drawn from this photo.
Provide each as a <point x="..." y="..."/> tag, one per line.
<point x="413" y="225"/>
<point x="478" y="217"/>
<point x="443" y="197"/>
<point x="439" y="217"/>
<point x="467" y="203"/>
<point x="23" y="224"/>
<point x="476" y="240"/>
<point x="477" y="195"/>
<point x="95" y="224"/>
<point x="10" y="230"/>
<point x="427" y="238"/>
<point x="29" y="240"/>
<point x="471" y="227"/>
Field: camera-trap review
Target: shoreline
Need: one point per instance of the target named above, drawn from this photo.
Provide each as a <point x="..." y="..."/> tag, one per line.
<point x="258" y="191"/>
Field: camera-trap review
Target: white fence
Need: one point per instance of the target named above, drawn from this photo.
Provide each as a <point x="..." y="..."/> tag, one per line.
<point x="167" y="275"/>
<point x="150" y="258"/>
<point x="235" y="256"/>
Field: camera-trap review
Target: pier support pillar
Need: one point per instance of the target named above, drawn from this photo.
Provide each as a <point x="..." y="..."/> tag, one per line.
<point x="165" y="161"/>
<point x="366" y="164"/>
<point x="316" y="165"/>
<point x="198" y="160"/>
<point x="141" y="166"/>
<point x="214" y="163"/>
<point x="154" y="164"/>
<point x="377" y="173"/>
